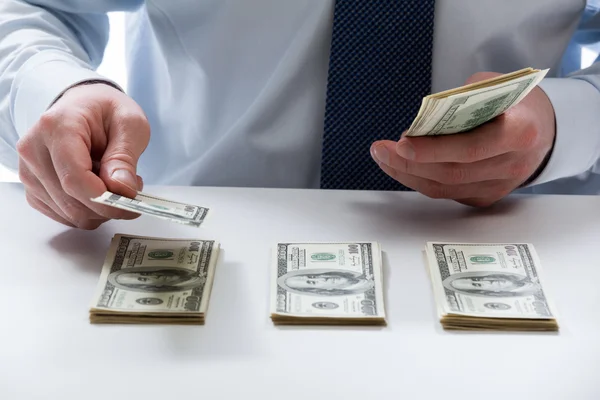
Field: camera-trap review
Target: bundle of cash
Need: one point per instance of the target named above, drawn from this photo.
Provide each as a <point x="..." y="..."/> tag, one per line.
<point x="489" y="287"/>
<point x="327" y="284"/>
<point x="155" y="280"/>
<point x="464" y="108"/>
<point x="144" y="203"/>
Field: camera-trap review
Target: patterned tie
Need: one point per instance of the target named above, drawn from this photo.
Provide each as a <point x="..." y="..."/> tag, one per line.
<point x="379" y="71"/>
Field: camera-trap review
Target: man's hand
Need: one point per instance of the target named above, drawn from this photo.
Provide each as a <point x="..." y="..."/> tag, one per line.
<point x="479" y="167"/>
<point x="88" y="142"/>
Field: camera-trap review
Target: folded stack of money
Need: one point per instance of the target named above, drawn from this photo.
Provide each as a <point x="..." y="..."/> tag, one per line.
<point x="489" y="287"/>
<point x="327" y="284"/>
<point x="155" y="280"/>
<point x="464" y="108"/>
<point x="158" y="207"/>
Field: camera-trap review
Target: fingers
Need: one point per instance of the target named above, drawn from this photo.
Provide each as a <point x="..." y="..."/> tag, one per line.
<point x="71" y="182"/>
<point x="38" y="173"/>
<point x="494" y="189"/>
<point x="68" y="207"/>
<point x="56" y="155"/>
<point x="42" y="207"/>
<point x="481" y="76"/>
<point x="479" y="201"/>
<point x="38" y="197"/>
<point x="508" y="132"/>
<point x="509" y="166"/>
<point x="128" y="137"/>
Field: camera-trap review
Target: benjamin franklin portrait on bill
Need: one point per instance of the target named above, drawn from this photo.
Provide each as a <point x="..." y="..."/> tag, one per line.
<point x="325" y="282"/>
<point x="491" y="284"/>
<point x="156" y="279"/>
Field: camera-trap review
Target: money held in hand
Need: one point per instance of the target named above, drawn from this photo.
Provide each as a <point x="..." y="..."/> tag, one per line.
<point x="155" y="280"/>
<point x="327" y="284"/>
<point x="464" y="108"/>
<point x="489" y="287"/>
<point x="182" y="213"/>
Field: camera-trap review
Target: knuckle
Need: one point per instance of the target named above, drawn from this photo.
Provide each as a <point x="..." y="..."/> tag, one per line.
<point x="436" y="190"/>
<point x="31" y="200"/>
<point x="26" y="146"/>
<point x="26" y="177"/>
<point x="505" y="190"/>
<point x="496" y="193"/>
<point x="404" y="166"/>
<point x="123" y="153"/>
<point x="133" y="118"/>
<point x="455" y="175"/>
<point x="69" y="183"/>
<point x="47" y="121"/>
<point x="518" y="171"/>
<point x="135" y="121"/>
<point x="528" y="138"/>
<point x="76" y="213"/>
<point x="476" y="152"/>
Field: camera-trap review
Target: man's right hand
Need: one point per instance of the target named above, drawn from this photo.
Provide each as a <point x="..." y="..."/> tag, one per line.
<point x="88" y="142"/>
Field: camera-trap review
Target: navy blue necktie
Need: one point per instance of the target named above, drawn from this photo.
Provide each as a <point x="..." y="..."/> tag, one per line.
<point x="379" y="72"/>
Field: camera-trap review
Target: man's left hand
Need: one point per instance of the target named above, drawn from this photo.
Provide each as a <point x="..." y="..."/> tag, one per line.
<point x="478" y="167"/>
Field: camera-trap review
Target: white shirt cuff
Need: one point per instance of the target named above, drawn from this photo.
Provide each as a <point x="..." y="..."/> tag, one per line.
<point x="43" y="79"/>
<point x="577" y="147"/>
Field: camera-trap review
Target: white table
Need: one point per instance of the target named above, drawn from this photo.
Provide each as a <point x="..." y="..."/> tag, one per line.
<point x="49" y="350"/>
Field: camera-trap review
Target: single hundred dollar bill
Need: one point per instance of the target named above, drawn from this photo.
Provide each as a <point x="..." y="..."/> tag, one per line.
<point x="467" y="107"/>
<point x="155" y="279"/>
<point x="488" y="280"/>
<point x="327" y="283"/>
<point x="182" y="213"/>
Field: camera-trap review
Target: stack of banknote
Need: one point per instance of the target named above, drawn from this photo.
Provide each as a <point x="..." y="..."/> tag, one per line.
<point x="155" y="280"/>
<point x="489" y="287"/>
<point x="327" y="284"/>
<point x="464" y="108"/>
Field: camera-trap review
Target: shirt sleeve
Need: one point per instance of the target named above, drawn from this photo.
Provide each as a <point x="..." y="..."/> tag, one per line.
<point x="576" y="101"/>
<point x="46" y="47"/>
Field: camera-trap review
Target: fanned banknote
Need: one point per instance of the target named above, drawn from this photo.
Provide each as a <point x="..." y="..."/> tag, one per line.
<point x="155" y="280"/>
<point x="327" y="284"/>
<point x="143" y="203"/>
<point x="464" y="108"/>
<point x="494" y="286"/>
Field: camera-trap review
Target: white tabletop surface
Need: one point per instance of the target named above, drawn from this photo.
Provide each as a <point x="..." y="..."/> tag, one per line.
<point x="49" y="350"/>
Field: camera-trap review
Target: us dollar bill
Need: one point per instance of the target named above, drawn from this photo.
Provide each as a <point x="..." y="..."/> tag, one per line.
<point x="327" y="283"/>
<point x="147" y="278"/>
<point x="488" y="280"/>
<point x="147" y="204"/>
<point x="467" y="107"/>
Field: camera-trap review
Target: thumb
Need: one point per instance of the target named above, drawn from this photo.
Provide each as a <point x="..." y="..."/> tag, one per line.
<point x="128" y="137"/>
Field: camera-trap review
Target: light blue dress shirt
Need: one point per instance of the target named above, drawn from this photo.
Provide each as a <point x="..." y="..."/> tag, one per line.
<point x="235" y="90"/>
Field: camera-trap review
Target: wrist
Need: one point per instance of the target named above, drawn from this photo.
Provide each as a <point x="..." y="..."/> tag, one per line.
<point x="84" y="83"/>
<point x="540" y="168"/>
<point x="543" y="112"/>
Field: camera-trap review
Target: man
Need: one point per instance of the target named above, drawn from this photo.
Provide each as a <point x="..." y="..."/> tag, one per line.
<point x="287" y="93"/>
